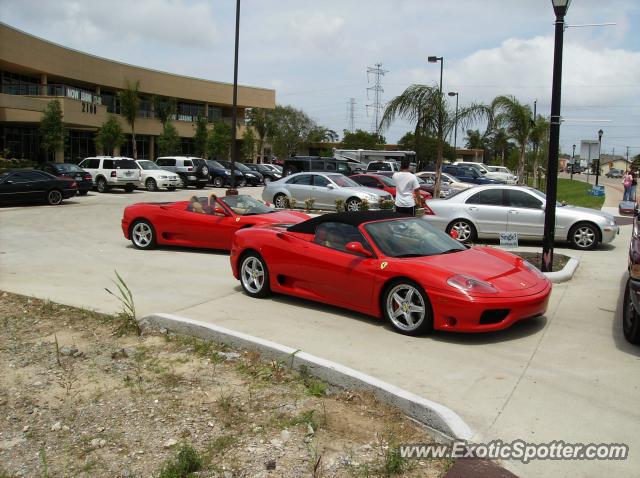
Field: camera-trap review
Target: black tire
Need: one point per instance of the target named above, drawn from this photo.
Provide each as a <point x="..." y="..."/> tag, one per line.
<point x="54" y="197"/>
<point x="202" y="171"/>
<point x="185" y="182"/>
<point x="102" y="186"/>
<point x="630" y="318"/>
<point x="403" y="322"/>
<point x="255" y="284"/>
<point x="242" y="182"/>
<point x="83" y="193"/>
<point x="171" y="188"/>
<point x="142" y="235"/>
<point x="466" y="230"/>
<point x="129" y="188"/>
<point x="151" y="185"/>
<point x="218" y="182"/>
<point x="352" y="204"/>
<point x="584" y="236"/>
<point x="281" y="201"/>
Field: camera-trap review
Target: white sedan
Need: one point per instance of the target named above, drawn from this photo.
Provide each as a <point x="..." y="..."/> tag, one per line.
<point x="154" y="177"/>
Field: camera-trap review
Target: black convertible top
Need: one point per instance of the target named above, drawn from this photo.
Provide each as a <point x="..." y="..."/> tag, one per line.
<point x="353" y="218"/>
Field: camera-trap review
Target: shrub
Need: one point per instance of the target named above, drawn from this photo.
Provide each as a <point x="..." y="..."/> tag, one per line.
<point x="291" y="203"/>
<point x="308" y="203"/>
<point x="364" y="205"/>
<point x="186" y="461"/>
<point x="386" y="204"/>
<point x="339" y="205"/>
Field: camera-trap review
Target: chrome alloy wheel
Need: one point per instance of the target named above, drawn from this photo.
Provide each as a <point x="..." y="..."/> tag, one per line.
<point x="463" y="228"/>
<point x="406" y="307"/>
<point x="252" y="274"/>
<point x="584" y="237"/>
<point x="142" y="235"/>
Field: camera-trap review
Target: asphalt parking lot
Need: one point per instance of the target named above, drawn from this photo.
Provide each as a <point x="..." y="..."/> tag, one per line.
<point x="568" y="376"/>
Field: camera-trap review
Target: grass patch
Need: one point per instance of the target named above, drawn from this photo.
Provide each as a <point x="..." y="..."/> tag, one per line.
<point x="576" y="193"/>
<point x="187" y="461"/>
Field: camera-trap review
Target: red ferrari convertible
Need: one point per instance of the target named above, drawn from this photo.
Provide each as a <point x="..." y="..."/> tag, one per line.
<point x="201" y="222"/>
<point x="390" y="266"/>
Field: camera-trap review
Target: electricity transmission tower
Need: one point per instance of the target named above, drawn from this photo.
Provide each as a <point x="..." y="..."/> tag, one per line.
<point x="377" y="90"/>
<point x="351" y="118"/>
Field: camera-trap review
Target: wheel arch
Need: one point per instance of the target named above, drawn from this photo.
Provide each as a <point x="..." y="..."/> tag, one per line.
<point x="392" y="280"/>
<point x="586" y="222"/>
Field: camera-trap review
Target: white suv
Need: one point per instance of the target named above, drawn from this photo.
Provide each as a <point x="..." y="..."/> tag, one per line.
<point x="154" y="177"/>
<point x="113" y="172"/>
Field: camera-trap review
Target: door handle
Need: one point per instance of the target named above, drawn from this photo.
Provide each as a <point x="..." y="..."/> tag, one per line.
<point x="473" y="208"/>
<point x="513" y="211"/>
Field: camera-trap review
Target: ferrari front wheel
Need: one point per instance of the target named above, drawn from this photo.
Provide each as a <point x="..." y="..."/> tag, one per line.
<point x="254" y="275"/>
<point x="407" y="308"/>
<point x="143" y="236"/>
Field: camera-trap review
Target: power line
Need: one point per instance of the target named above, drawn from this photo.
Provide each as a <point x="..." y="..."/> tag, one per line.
<point x="377" y="89"/>
<point x="351" y="104"/>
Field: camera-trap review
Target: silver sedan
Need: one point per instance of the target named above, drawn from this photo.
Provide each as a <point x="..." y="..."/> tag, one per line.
<point x="324" y="188"/>
<point x="486" y="211"/>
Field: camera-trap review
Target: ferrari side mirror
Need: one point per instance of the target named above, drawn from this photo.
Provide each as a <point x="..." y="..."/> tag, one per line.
<point x="218" y="211"/>
<point x="358" y="248"/>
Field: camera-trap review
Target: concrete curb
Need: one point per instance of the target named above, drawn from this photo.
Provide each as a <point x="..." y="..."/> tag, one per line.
<point x="438" y="418"/>
<point x="566" y="273"/>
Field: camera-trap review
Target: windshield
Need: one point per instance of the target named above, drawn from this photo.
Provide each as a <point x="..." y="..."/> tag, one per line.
<point x="411" y="238"/>
<point x="148" y="165"/>
<point x="543" y="196"/>
<point x="215" y="164"/>
<point x="69" y="168"/>
<point x="242" y="168"/>
<point x="246" y="205"/>
<point x="388" y="181"/>
<point x="343" y="181"/>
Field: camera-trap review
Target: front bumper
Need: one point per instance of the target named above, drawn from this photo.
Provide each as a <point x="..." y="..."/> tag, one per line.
<point x="609" y="233"/>
<point x="456" y="313"/>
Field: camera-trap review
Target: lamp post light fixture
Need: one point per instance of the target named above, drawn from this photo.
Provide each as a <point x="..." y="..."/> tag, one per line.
<point x="560" y="8"/>
<point x="232" y="191"/>
<point x="435" y="59"/>
<point x="600" y="133"/>
<point x="455" y="133"/>
<point x="573" y="160"/>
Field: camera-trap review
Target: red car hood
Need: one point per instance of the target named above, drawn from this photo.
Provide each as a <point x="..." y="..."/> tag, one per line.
<point x="503" y="270"/>
<point x="283" y="217"/>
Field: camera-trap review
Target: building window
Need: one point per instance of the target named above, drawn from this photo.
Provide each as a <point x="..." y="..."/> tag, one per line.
<point x="110" y="100"/>
<point x="80" y="144"/>
<point x="21" y="142"/>
<point x="14" y="84"/>
<point x="215" y="114"/>
<point x="186" y="146"/>
<point x="145" y="110"/>
<point x="142" y="145"/>
<point x="189" y="111"/>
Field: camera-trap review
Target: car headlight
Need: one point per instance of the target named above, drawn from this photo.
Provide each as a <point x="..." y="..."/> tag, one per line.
<point x="533" y="269"/>
<point x="227" y="173"/>
<point x="470" y="285"/>
<point x="163" y="177"/>
<point x="249" y="175"/>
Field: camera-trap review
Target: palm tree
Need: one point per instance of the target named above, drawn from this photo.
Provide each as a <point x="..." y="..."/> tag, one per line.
<point x="475" y="139"/>
<point x="517" y="120"/>
<point x="499" y="142"/>
<point x="164" y="108"/>
<point x="129" y="106"/>
<point x="538" y="136"/>
<point x="426" y="106"/>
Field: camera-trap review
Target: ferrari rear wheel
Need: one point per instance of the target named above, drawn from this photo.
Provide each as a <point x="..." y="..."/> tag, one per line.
<point x="407" y="308"/>
<point x="143" y="235"/>
<point x="254" y="275"/>
<point x="465" y="231"/>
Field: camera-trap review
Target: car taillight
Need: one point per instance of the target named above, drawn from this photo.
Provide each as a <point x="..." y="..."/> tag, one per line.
<point x="113" y="174"/>
<point x="68" y="178"/>
<point x="428" y="211"/>
<point x="73" y="184"/>
<point x="87" y="177"/>
<point x="189" y="169"/>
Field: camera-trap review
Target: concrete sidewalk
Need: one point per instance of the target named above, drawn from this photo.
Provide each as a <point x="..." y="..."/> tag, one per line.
<point x="567" y="376"/>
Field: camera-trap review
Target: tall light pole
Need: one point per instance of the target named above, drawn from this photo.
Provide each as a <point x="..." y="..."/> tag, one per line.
<point x="435" y="59"/>
<point x="455" y="133"/>
<point x="560" y="8"/>
<point x="232" y="191"/>
<point x="573" y="159"/>
<point x="600" y="133"/>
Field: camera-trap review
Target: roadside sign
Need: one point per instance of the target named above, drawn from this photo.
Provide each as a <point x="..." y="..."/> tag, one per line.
<point x="509" y="240"/>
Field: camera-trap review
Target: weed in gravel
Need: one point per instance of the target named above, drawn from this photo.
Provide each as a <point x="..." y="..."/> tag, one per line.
<point x="221" y="444"/>
<point x="68" y="376"/>
<point x="127" y="318"/>
<point x="230" y="412"/>
<point x="388" y="461"/>
<point x="315" y="387"/>
<point x="187" y="461"/>
<point x="43" y="461"/>
<point x="315" y="454"/>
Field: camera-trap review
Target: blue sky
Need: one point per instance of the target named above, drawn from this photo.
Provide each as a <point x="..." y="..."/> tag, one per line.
<point x="315" y="54"/>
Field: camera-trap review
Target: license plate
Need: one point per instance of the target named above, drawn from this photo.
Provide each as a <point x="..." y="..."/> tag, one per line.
<point x="128" y="173"/>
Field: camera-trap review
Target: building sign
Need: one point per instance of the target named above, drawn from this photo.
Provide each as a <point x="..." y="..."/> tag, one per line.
<point x="509" y="240"/>
<point x="73" y="93"/>
<point x="89" y="108"/>
<point x="86" y="96"/>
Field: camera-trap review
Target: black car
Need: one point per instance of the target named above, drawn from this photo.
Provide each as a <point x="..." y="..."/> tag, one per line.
<point x="69" y="170"/>
<point x="252" y="177"/>
<point x="631" y="309"/>
<point x="221" y="176"/>
<point x="299" y="164"/>
<point x="469" y="174"/>
<point x="25" y="186"/>
<point x="268" y="174"/>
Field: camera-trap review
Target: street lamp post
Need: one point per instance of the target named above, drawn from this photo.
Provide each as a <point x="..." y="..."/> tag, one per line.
<point x="232" y="191"/>
<point x="560" y="8"/>
<point x="435" y="59"/>
<point x="600" y="133"/>
<point x="455" y="133"/>
<point x="573" y="160"/>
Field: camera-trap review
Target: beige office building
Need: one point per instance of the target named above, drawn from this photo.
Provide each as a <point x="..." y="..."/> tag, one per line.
<point x="34" y="71"/>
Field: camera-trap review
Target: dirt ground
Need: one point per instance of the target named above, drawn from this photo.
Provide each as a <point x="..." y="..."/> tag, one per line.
<point x="79" y="400"/>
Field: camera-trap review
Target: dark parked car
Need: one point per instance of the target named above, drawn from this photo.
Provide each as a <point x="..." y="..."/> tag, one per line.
<point x="318" y="164"/>
<point x="631" y="309"/>
<point x="72" y="171"/>
<point x="252" y="177"/>
<point x="614" y="173"/>
<point x="24" y="186"/>
<point x="468" y="174"/>
<point x="424" y="185"/>
<point x="268" y="174"/>
<point x="221" y="176"/>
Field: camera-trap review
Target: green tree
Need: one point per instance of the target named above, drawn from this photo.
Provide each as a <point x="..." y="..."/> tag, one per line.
<point x="428" y="109"/>
<point x="360" y="139"/>
<point x="109" y="135"/>
<point x="539" y="138"/>
<point x="168" y="140"/>
<point x="517" y="120"/>
<point x="499" y="144"/>
<point x="164" y="108"/>
<point x="52" y="133"/>
<point x="427" y="150"/>
<point x="219" y="140"/>
<point x="248" y="145"/>
<point x="290" y="130"/>
<point x="260" y="120"/>
<point x="129" y="107"/>
<point x="200" y="137"/>
<point x="475" y="139"/>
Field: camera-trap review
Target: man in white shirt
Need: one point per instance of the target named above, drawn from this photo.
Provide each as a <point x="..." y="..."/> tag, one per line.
<point x="407" y="189"/>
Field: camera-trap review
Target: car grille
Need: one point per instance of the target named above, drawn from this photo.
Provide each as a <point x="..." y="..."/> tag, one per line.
<point x="493" y="316"/>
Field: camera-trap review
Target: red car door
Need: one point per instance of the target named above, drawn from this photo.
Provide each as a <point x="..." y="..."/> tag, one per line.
<point x="196" y="229"/>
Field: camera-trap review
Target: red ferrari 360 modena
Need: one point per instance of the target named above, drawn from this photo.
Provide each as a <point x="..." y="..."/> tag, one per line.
<point x="201" y="222"/>
<point x="390" y="266"/>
